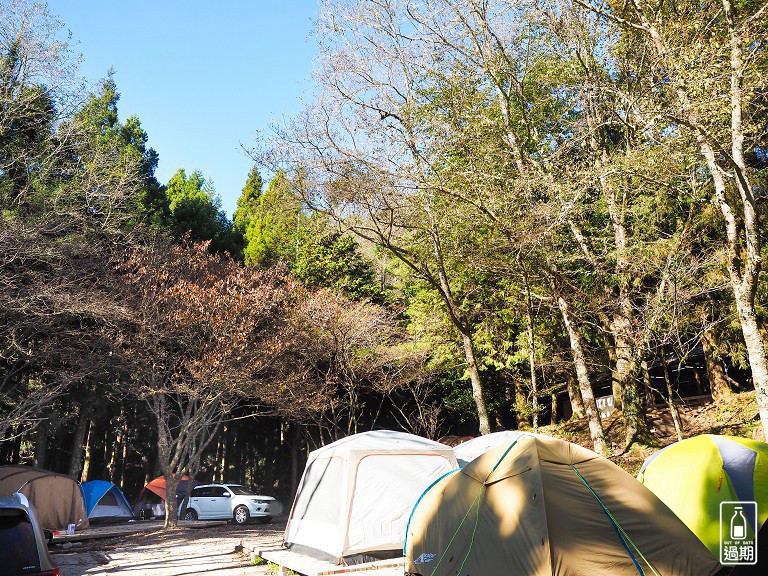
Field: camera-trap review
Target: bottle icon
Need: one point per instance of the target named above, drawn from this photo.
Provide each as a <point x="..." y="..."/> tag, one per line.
<point x="738" y="525"/>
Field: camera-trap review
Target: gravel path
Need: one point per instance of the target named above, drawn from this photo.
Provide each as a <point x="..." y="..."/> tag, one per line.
<point x="182" y="552"/>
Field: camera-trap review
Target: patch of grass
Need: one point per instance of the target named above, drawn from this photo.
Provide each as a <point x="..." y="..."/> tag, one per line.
<point x="258" y="561"/>
<point x="276" y="569"/>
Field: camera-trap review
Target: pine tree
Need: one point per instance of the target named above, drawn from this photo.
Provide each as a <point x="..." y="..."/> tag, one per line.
<point x="248" y="202"/>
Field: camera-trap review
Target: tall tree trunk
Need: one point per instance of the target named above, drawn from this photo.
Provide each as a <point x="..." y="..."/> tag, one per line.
<point x="650" y="399"/>
<point x="5" y="445"/>
<point x="217" y="472"/>
<point x="755" y="345"/>
<point x="477" y="383"/>
<point x="744" y="277"/>
<point x="105" y="453"/>
<point x="295" y="440"/>
<point x="225" y="450"/>
<point x="605" y="321"/>
<point x="585" y="384"/>
<point x="531" y="351"/>
<point x="534" y="383"/>
<point x="617" y="390"/>
<point x="194" y="469"/>
<point x="41" y="443"/>
<point x="88" y="453"/>
<point x="18" y="436"/>
<point x="627" y="369"/>
<point x="718" y="379"/>
<point x="671" y="399"/>
<point x="700" y="391"/>
<point x="76" y="462"/>
<point x="553" y="400"/>
<point x="520" y="408"/>
<point x="574" y="395"/>
<point x="116" y="449"/>
<point x="463" y="325"/>
<point x="150" y="457"/>
<point x="171" y="509"/>
<point x="500" y="416"/>
<point x="248" y="467"/>
<point x="268" y="451"/>
<point x="122" y="442"/>
<point x="534" y="391"/>
<point x="282" y="463"/>
<point x="748" y="280"/>
<point x="120" y="471"/>
<point x="241" y="451"/>
<point x="617" y="197"/>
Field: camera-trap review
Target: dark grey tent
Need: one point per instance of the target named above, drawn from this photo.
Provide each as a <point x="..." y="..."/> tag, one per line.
<point x="56" y="497"/>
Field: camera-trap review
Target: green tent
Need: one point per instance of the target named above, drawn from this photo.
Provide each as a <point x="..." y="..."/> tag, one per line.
<point x="694" y="476"/>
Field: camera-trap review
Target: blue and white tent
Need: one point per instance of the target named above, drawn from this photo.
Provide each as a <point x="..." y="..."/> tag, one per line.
<point x="104" y="500"/>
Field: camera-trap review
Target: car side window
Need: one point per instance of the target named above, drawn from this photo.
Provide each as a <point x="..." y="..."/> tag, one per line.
<point x="200" y="492"/>
<point x="218" y="491"/>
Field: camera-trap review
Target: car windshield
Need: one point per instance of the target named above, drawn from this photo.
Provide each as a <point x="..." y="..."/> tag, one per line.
<point x="241" y="491"/>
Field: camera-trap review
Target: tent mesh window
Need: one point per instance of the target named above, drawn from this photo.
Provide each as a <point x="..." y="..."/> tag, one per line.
<point x="108" y="499"/>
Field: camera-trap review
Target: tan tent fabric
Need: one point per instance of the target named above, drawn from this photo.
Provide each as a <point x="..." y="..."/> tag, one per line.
<point x="56" y="497"/>
<point x="523" y="509"/>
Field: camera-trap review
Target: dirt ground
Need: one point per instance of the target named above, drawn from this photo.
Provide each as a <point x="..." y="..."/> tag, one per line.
<point x="210" y="551"/>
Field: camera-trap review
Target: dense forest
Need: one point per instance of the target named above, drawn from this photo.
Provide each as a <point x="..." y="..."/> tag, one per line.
<point x="490" y="214"/>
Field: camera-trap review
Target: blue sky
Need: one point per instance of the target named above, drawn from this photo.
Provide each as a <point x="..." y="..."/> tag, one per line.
<point x="203" y="77"/>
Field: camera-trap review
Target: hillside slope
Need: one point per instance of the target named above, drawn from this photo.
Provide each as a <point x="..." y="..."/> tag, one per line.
<point x="736" y="416"/>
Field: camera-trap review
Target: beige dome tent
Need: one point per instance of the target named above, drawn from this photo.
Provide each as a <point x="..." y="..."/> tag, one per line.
<point x="56" y="497"/>
<point x="474" y="447"/>
<point x="357" y="493"/>
<point x="543" y="506"/>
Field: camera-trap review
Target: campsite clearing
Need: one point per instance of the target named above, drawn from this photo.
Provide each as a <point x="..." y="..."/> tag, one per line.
<point x="223" y="550"/>
<point x="308" y="566"/>
<point x="182" y="552"/>
<point x="108" y="531"/>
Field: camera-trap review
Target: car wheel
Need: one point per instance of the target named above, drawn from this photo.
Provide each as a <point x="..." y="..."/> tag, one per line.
<point x="241" y="515"/>
<point x="265" y="519"/>
<point x="190" y="515"/>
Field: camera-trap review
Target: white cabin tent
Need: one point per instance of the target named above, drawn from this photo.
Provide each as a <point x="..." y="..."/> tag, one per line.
<point x="471" y="449"/>
<point x="356" y="494"/>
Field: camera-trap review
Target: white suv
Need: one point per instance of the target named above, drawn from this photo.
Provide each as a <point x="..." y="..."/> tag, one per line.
<point x="230" y="502"/>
